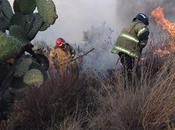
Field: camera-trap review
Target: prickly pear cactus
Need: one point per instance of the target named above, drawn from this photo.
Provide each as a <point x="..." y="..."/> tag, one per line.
<point x="22" y="29"/>
<point x="23" y="66"/>
<point x="24" y="24"/>
<point x="29" y="17"/>
<point x="29" y="72"/>
<point x="24" y="6"/>
<point x="17" y="32"/>
<point x="5" y="15"/>
<point x="33" y="77"/>
<point x="46" y="9"/>
<point x="30" y="20"/>
<point x="35" y="15"/>
<point x="9" y="46"/>
<point x="37" y="23"/>
<point x="6" y="8"/>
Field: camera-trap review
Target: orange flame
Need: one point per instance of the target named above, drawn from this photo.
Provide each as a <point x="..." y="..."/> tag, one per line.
<point x="159" y="17"/>
<point x="166" y="49"/>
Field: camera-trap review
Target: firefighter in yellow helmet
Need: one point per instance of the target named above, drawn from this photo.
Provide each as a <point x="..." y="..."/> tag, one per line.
<point x="131" y="41"/>
<point x="61" y="55"/>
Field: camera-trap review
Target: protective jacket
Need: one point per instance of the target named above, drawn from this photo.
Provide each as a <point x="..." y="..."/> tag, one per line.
<point x="132" y="39"/>
<point x="62" y="55"/>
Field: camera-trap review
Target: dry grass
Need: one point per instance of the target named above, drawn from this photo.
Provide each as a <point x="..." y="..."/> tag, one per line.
<point x="151" y="106"/>
<point x="95" y="103"/>
<point x="55" y="101"/>
<point x="70" y="124"/>
<point x="159" y="105"/>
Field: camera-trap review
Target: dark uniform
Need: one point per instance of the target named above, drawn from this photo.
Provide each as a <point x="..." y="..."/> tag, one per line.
<point x="131" y="42"/>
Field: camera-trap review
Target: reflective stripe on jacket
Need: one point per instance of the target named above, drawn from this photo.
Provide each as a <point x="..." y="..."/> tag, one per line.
<point x="128" y="41"/>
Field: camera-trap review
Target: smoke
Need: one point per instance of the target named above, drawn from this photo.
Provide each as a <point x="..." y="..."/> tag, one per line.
<point x="127" y="9"/>
<point x="78" y="16"/>
<point x="125" y="12"/>
<point x="100" y="38"/>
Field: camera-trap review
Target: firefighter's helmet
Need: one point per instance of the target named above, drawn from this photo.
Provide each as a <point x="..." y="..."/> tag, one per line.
<point x="142" y="17"/>
<point x="60" y="42"/>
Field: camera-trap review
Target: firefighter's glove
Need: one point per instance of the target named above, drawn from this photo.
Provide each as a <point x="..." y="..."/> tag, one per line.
<point x="73" y="55"/>
<point x="141" y="61"/>
<point x="28" y="47"/>
<point x="143" y="43"/>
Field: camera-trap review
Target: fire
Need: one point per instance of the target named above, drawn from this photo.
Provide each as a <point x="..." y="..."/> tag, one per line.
<point x="159" y="16"/>
<point x="166" y="49"/>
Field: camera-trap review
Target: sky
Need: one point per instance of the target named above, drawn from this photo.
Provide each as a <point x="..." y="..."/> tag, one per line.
<point x="76" y="16"/>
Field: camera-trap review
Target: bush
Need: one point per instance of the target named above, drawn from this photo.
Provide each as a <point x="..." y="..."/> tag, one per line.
<point x="150" y="106"/>
<point x="100" y="102"/>
<point x="56" y="100"/>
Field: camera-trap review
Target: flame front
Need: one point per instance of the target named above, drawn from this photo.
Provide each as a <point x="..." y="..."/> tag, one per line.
<point x="166" y="49"/>
<point x="159" y="16"/>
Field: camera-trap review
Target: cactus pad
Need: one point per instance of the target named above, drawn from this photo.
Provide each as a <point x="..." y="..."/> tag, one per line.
<point x="6" y="8"/>
<point x="18" y="32"/>
<point x="8" y="46"/>
<point x="23" y="66"/>
<point x="5" y="15"/>
<point x="24" y="6"/>
<point x="47" y="10"/>
<point x="33" y="77"/>
<point x="36" y="25"/>
<point x="27" y="28"/>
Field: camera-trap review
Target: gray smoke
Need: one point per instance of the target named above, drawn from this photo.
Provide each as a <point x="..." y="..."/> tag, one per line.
<point x="78" y="16"/>
<point x="100" y="38"/>
<point x="127" y="9"/>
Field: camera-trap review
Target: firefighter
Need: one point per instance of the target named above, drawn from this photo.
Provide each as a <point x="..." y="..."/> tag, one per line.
<point x="131" y="41"/>
<point x="61" y="55"/>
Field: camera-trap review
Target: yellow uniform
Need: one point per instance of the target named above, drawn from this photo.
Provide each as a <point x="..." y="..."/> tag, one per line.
<point x="60" y="58"/>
